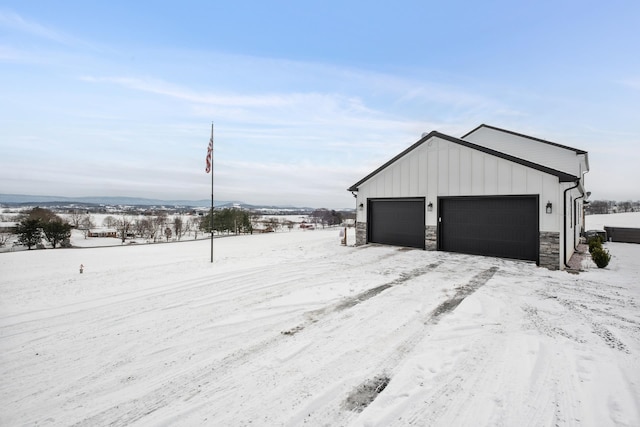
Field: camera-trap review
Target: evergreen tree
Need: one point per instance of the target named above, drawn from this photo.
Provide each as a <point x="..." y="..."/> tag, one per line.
<point x="206" y="223"/>
<point x="56" y="231"/>
<point x="227" y="220"/>
<point x="29" y="232"/>
<point x="38" y="222"/>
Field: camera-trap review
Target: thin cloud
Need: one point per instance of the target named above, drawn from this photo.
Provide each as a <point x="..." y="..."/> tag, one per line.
<point x="13" y="21"/>
<point x="305" y="111"/>
<point x="160" y="87"/>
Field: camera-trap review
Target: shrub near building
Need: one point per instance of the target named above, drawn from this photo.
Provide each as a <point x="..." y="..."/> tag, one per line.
<point x="599" y="255"/>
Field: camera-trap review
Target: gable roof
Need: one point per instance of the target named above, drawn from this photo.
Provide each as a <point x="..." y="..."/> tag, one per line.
<point x="562" y="176"/>
<point x="577" y="151"/>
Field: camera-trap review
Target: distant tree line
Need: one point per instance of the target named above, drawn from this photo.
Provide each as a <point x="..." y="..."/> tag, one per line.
<point x="609" y="206"/>
<point x="152" y="227"/>
<point x="39" y="224"/>
<point x="227" y="221"/>
<point x="326" y="217"/>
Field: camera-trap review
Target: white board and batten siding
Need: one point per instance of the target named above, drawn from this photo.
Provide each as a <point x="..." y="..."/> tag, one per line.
<point x="442" y="168"/>
<point x="551" y="155"/>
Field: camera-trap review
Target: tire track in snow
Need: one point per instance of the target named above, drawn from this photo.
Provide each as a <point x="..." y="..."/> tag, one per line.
<point x="544" y="326"/>
<point x="462" y="292"/>
<point x="216" y="371"/>
<point x="440" y="311"/>
<point x="344" y="410"/>
<point x="476" y="384"/>
<point x="582" y="303"/>
<point x="315" y="315"/>
<point x="205" y="374"/>
<point x="215" y="375"/>
<point x="212" y="376"/>
<point x="213" y="372"/>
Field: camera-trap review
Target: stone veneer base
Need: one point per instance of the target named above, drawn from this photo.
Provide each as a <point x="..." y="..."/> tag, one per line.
<point x="549" y="250"/>
<point x="431" y="237"/>
<point x="361" y="233"/>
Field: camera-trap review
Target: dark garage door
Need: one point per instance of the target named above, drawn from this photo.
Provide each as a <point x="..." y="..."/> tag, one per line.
<point x="398" y="222"/>
<point x="505" y="227"/>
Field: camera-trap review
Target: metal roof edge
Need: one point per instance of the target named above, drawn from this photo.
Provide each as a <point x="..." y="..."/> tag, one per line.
<point x="354" y="187"/>
<point x="555" y="144"/>
<point x="562" y="176"/>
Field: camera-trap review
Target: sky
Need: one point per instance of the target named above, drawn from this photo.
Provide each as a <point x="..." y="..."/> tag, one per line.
<point x="117" y="98"/>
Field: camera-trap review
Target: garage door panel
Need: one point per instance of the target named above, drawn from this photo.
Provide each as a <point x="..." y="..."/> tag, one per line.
<point x="398" y="222"/>
<point x="500" y="226"/>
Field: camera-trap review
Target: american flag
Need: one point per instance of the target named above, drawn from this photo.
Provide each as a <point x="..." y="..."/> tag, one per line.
<point x="209" y="153"/>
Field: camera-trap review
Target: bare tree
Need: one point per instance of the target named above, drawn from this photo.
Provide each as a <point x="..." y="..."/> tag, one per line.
<point x="625" y="206"/>
<point x="274" y="224"/>
<point x="41" y="214"/>
<point x="159" y="224"/>
<point x="141" y="227"/>
<point x="86" y="224"/>
<point x="4" y="237"/>
<point x="123" y="227"/>
<point x="187" y="226"/>
<point x="75" y="218"/>
<point x="178" y="227"/>
<point x="194" y="224"/>
<point x="110" y="222"/>
<point x="255" y="219"/>
<point x="150" y="229"/>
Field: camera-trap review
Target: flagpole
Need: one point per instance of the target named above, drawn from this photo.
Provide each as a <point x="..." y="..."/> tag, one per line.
<point x="212" y="192"/>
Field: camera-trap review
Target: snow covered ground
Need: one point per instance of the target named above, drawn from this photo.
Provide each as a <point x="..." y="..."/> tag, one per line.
<point x="626" y="219"/>
<point x="294" y="329"/>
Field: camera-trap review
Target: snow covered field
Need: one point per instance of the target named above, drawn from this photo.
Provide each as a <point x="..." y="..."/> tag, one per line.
<point x="293" y="329"/>
<point x="626" y="219"/>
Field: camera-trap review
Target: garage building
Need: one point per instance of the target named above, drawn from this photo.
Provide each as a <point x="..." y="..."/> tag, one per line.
<point x="492" y="192"/>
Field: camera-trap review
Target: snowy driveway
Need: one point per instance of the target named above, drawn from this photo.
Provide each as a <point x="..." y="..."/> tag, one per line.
<point x="294" y="329"/>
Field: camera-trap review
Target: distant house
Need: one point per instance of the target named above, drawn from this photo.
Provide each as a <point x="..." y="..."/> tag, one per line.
<point x="491" y="192"/>
<point x="102" y="233"/>
<point x="7" y="227"/>
<point x="306" y="226"/>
